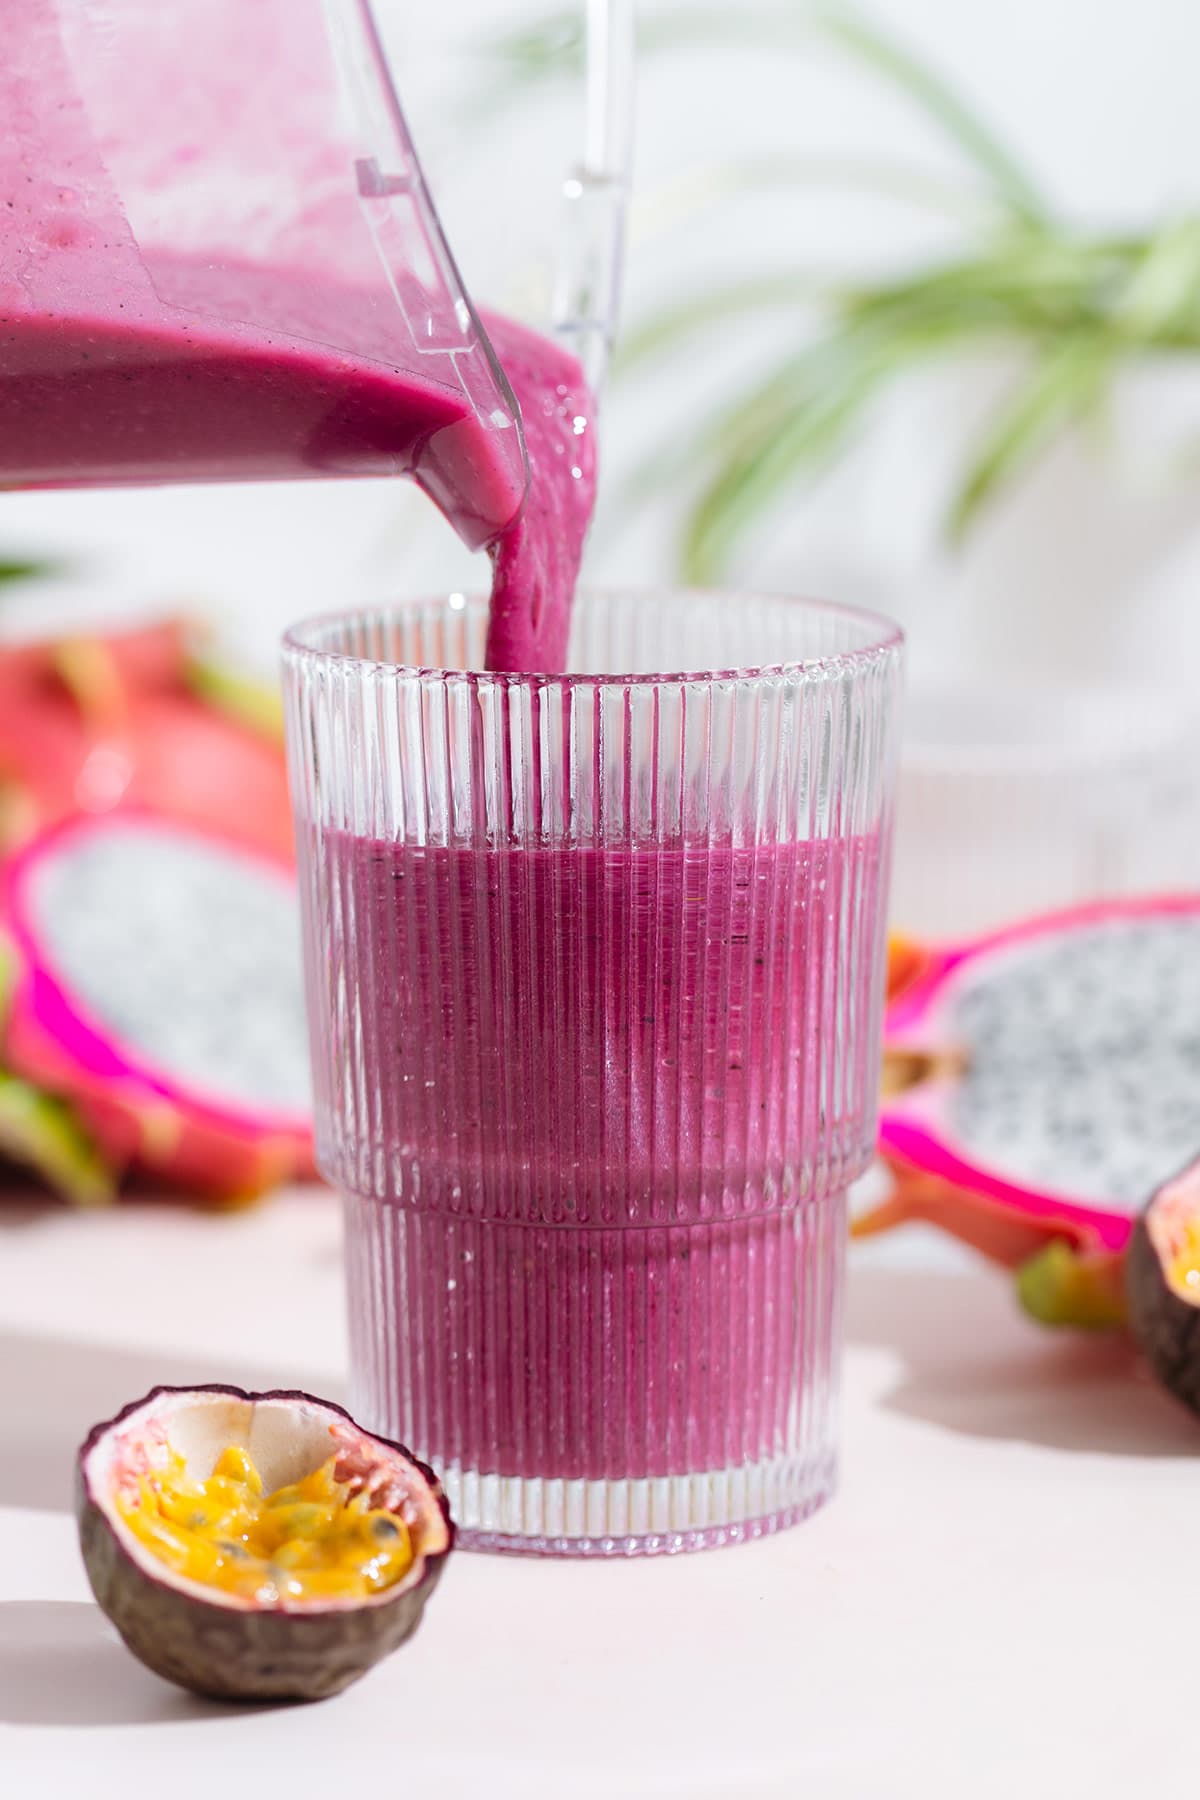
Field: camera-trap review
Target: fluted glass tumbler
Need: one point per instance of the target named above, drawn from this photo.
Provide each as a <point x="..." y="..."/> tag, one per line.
<point x="594" y="969"/>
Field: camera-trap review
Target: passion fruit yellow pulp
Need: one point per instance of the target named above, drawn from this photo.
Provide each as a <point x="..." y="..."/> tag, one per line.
<point x="313" y="1538"/>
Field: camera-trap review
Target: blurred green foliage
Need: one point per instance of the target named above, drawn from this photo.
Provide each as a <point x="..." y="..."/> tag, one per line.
<point x="1079" y="306"/>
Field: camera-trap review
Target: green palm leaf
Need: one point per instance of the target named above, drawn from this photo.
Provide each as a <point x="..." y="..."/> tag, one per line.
<point x="22" y="569"/>
<point x="553" y="48"/>
<point x="757" y="470"/>
<point x="1062" y="386"/>
<point x="1080" y="305"/>
<point x="964" y="128"/>
<point x="673" y="325"/>
<point x="790" y="427"/>
<point x="1161" y="301"/>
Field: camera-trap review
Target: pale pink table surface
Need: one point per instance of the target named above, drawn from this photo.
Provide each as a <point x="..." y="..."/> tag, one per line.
<point x="999" y="1603"/>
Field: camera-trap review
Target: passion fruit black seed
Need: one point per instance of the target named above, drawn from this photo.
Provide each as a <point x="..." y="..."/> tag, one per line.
<point x="268" y="1646"/>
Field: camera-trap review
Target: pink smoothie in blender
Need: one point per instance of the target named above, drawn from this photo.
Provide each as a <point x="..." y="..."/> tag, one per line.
<point x="204" y="278"/>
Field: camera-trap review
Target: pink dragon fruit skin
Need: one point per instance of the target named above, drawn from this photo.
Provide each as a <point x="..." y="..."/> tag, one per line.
<point x="143" y="1118"/>
<point x="1049" y="1078"/>
<point x="108" y="727"/>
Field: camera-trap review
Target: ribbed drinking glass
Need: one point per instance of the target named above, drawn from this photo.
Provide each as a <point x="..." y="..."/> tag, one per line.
<point x="594" y="970"/>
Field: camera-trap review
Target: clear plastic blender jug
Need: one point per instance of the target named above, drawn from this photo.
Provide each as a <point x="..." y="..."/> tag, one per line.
<point x="219" y="261"/>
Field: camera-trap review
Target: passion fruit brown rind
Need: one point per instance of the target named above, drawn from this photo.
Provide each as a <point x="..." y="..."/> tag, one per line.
<point x="222" y="1644"/>
<point x="1162" y="1282"/>
<point x="1166" y="1327"/>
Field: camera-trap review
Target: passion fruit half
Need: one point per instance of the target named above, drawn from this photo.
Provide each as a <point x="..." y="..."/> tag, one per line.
<point x="200" y="1601"/>
<point x="1162" y="1280"/>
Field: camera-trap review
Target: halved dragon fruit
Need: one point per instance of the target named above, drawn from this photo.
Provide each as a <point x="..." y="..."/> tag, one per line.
<point x="151" y="1019"/>
<point x="1039" y="1083"/>
<point x="158" y="985"/>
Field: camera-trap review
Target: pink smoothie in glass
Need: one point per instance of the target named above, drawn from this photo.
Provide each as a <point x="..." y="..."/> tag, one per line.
<point x="648" y="1036"/>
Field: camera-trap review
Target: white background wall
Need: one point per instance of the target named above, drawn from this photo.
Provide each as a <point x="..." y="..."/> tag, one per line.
<point x="1101" y="101"/>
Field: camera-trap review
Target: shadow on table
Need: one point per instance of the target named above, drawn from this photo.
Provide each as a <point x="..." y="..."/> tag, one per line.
<point x="20" y="1208"/>
<point x="53" y="1390"/>
<point x="972" y="1363"/>
<point x="62" y="1664"/>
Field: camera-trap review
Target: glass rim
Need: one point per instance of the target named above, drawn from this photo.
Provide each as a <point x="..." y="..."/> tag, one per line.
<point x="886" y="638"/>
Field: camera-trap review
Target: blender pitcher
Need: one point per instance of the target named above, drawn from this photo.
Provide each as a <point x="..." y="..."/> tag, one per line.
<point x="219" y="261"/>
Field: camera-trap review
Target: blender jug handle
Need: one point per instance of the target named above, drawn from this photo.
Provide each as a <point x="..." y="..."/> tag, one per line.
<point x="587" y="289"/>
<point x="423" y="275"/>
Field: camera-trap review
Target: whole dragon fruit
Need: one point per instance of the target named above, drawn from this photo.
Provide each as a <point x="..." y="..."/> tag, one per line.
<point x="151" y="1021"/>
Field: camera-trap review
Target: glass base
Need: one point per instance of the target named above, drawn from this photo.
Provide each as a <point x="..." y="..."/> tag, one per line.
<point x="605" y="1391"/>
<point x="533" y="1516"/>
